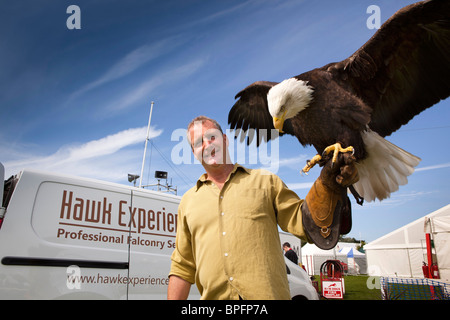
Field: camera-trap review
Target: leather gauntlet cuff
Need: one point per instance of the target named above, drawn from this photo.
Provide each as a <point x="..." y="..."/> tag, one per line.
<point x="321" y="215"/>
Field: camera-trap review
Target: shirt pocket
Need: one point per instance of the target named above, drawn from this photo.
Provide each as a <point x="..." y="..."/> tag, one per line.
<point x="253" y="204"/>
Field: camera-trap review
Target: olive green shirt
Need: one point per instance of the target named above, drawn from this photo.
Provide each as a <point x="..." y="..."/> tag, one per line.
<point x="228" y="241"/>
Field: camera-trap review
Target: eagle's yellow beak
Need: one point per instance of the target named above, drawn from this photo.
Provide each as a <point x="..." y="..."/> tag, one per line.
<point x="278" y="122"/>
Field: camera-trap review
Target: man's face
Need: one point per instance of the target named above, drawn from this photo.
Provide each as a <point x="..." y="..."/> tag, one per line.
<point x="208" y="144"/>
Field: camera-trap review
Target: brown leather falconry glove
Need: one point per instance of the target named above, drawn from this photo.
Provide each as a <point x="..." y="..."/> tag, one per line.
<point x="326" y="212"/>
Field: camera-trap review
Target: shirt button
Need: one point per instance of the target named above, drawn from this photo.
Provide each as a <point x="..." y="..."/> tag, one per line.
<point x="226" y="254"/>
<point x="222" y="213"/>
<point x="224" y="233"/>
<point x="231" y="278"/>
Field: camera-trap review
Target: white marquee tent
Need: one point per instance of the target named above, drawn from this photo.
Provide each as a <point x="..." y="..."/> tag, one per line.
<point x="313" y="257"/>
<point x="357" y="262"/>
<point x="401" y="252"/>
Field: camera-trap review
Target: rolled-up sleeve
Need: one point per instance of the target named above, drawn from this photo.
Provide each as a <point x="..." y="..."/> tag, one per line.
<point x="288" y="207"/>
<point x="183" y="262"/>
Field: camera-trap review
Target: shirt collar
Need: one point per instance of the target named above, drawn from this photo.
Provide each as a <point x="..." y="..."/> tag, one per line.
<point x="237" y="167"/>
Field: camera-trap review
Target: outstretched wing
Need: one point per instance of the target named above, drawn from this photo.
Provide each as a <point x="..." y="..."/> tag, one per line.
<point x="404" y="68"/>
<point x="251" y="112"/>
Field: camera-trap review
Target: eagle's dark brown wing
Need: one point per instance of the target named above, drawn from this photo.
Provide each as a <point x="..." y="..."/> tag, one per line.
<point x="251" y="112"/>
<point x="404" y="68"/>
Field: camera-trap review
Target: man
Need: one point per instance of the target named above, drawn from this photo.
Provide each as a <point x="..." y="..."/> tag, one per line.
<point x="289" y="253"/>
<point x="227" y="237"/>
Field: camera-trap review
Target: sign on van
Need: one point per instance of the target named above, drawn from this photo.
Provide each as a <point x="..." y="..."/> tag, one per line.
<point x="86" y="216"/>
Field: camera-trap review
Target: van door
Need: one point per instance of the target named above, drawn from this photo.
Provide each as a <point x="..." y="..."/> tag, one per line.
<point x="151" y="241"/>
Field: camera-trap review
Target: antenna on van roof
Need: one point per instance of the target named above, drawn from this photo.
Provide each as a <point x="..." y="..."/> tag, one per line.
<point x="146" y="141"/>
<point x="158" y="174"/>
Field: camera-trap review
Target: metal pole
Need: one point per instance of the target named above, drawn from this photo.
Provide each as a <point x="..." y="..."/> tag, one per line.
<point x="146" y="141"/>
<point x="429" y="254"/>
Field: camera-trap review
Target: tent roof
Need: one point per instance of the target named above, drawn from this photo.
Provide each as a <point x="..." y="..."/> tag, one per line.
<point x="408" y="236"/>
<point x="342" y="245"/>
<point x="310" y="249"/>
<point x="351" y="252"/>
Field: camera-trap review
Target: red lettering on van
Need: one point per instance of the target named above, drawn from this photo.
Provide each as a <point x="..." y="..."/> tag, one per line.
<point x="85" y="209"/>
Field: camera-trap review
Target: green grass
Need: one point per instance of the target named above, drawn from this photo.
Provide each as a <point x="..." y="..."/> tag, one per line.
<point x="356" y="288"/>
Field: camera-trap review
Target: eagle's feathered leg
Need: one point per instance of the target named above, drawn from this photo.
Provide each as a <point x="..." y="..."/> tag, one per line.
<point x="311" y="163"/>
<point x="336" y="148"/>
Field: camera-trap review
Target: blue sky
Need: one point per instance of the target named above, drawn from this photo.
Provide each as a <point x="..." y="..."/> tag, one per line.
<point x="78" y="101"/>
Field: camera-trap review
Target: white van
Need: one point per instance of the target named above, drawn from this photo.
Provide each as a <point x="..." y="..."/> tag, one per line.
<point x="64" y="237"/>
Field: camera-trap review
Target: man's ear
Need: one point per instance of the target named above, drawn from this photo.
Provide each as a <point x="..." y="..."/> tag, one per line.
<point x="225" y="140"/>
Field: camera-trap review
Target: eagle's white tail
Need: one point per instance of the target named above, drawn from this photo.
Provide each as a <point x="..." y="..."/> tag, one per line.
<point x="385" y="168"/>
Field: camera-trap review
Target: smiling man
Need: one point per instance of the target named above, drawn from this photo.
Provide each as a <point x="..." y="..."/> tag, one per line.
<point x="227" y="237"/>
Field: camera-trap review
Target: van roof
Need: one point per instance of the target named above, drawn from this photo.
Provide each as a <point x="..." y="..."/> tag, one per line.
<point x="44" y="175"/>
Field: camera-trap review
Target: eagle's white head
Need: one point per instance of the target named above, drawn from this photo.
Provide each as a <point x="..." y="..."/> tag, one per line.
<point x="287" y="99"/>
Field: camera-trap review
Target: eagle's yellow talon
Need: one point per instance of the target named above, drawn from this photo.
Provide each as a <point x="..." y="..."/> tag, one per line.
<point x="311" y="163"/>
<point x="336" y="148"/>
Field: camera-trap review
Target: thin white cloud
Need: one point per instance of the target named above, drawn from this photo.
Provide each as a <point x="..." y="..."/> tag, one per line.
<point x="298" y="161"/>
<point x="398" y="198"/>
<point x="300" y="186"/>
<point x="229" y="11"/>
<point x="132" y="61"/>
<point x="107" y="145"/>
<point x="97" y="158"/>
<point x="438" y="166"/>
<point x="294" y="163"/>
<point x="145" y="89"/>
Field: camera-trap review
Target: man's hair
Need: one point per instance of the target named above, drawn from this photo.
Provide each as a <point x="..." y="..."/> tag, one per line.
<point x="287" y="244"/>
<point x="202" y="119"/>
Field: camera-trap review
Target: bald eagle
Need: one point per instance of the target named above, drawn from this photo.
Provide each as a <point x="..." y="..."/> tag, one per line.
<point x="401" y="71"/>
